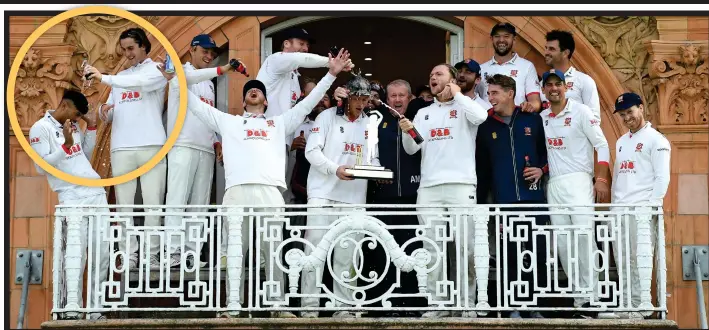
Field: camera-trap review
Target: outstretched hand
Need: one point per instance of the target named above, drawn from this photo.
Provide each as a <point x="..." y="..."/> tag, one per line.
<point x="339" y="62"/>
<point x="161" y="67"/>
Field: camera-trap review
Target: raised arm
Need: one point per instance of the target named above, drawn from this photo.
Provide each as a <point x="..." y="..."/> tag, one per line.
<point x="147" y="80"/>
<point x="475" y="113"/>
<point x="209" y="115"/>
<point x="285" y="62"/>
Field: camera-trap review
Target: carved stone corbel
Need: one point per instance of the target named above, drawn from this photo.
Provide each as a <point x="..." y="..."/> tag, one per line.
<point x="680" y="70"/>
<point x="43" y="76"/>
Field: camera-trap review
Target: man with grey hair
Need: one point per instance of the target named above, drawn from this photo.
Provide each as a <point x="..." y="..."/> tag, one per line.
<point x="401" y="190"/>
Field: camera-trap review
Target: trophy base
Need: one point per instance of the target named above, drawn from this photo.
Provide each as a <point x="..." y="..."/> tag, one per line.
<point x="370" y="172"/>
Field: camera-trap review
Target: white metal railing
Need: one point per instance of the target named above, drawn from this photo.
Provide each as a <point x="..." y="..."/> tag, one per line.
<point x="357" y="231"/>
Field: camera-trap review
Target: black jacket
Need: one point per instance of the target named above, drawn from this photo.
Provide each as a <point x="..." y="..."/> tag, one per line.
<point x="406" y="168"/>
<point x="500" y="157"/>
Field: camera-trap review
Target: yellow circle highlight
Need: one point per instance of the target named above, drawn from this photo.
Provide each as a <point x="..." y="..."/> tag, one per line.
<point x="93" y="10"/>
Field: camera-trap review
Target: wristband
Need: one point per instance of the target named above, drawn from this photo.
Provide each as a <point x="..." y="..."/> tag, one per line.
<point x="602" y="180"/>
<point x="219" y="71"/>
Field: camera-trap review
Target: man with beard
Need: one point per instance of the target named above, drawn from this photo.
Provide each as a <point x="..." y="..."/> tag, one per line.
<point x="641" y="176"/>
<point x="507" y="62"/>
<point x="337" y="142"/>
<point x="191" y="160"/>
<point x="401" y="190"/>
<point x="257" y="139"/>
<point x="135" y="107"/>
<point x="580" y="86"/>
<point x="572" y="132"/>
<point x="447" y="169"/>
<point x="469" y="79"/>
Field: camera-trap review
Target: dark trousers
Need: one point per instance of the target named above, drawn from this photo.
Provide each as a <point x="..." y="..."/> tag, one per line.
<point x="376" y="260"/>
<point x="513" y="264"/>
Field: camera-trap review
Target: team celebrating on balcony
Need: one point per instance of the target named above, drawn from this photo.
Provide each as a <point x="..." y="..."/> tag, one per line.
<point x="494" y="133"/>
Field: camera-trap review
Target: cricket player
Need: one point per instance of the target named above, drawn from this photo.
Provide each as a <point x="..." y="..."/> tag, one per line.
<point x="279" y="72"/>
<point x="337" y="142"/>
<point x="58" y="139"/>
<point x="507" y="62"/>
<point x="449" y="127"/>
<point x="572" y="132"/>
<point x="641" y="175"/>
<point x="191" y="160"/>
<point x="254" y="163"/>
<point x="137" y="134"/>
<point x="468" y="81"/>
<point x="579" y="86"/>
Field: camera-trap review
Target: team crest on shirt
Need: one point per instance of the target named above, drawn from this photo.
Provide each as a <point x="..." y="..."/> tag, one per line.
<point x="454" y="114"/>
<point x="513" y="73"/>
<point x="494" y="135"/>
<point x="527" y="131"/>
<point x="570" y="84"/>
<point x="270" y="123"/>
<point x="384" y="125"/>
<point x="567" y="121"/>
<point x="639" y="147"/>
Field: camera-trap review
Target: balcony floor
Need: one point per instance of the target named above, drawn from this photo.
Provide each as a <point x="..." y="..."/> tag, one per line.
<point x="361" y="323"/>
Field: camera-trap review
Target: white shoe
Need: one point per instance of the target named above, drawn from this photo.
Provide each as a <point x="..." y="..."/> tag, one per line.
<point x="283" y="315"/>
<point x="175" y="259"/>
<point x="309" y="315"/>
<point x="154" y="262"/>
<point x="469" y="314"/>
<point x="435" y="314"/>
<point x="343" y="314"/>
<point x="97" y="316"/>
<point x="132" y="262"/>
<point x="631" y="315"/>
<point x="608" y="316"/>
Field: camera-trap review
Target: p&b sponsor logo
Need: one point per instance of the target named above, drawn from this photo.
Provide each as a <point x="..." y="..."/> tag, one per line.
<point x="352" y="148"/>
<point x="556" y="143"/>
<point x="256" y="134"/>
<point x="130" y="96"/>
<point x="443" y="133"/>
<point x="34" y="140"/>
<point x="627" y="166"/>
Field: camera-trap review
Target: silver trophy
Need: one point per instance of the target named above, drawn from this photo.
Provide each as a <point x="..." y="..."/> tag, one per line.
<point x="367" y="170"/>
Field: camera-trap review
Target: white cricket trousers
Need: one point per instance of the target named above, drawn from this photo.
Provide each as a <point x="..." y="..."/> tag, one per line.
<point x="342" y="262"/>
<point x="152" y="186"/>
<point x="99" y="271"/>
<point x="575" y="188"/>
<point x="255" y="194"/>
<point x="189" y="182"/>
<point x="629" y="224"/>
<point x="452" y="194"/>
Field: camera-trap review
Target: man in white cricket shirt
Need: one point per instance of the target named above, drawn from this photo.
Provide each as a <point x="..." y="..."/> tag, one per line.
<point x="468" y="81"/>
<point x="507" y="62"/>
<point x="191" y="160"/>
<point x="579" y="86"/>
<point x="279" y="72"/>
<point x="572" y="132"/>
<point x="254" y="163"/>
<point x="58" y="139"/>
<point x="641" y="175"/>
<point x="337" y="141"/>
<point x="449" y="127"/>
<point x="137" y="133"/>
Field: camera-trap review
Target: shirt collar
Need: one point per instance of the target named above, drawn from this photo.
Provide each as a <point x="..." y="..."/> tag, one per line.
<point x="570" y="72"/>
<point x="51" y="118"/>
<point x="566" y="109"/>
<point x="253" y="115"/>
<point x="647" y="124"/>
<point x="511" y="61"/>
<point x="439" y="103"/>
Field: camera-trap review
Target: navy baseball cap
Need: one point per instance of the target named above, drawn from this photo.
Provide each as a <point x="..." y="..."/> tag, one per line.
<point x="204" y="41"/>
<point x="472" y="65"/>
<point x="299" y="33"/>
<point x="550" y="73"/>
<point x="627" y="100"/>
<point x="503" y="26"/>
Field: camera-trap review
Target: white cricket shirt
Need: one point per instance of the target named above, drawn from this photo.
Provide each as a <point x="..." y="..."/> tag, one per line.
<point x="253" y="144"/>
<point x="521" y="70"/>
<point x="334" y="141"/>
<point x="641" y="172"/>
<point x="581" y="88"/>
<point x="280" y="75"/>
<point x="449" y="130"/>
<point x="571" y="137"/>
<point x="138" y="96"/>
<point x="47" y="139"/>
<point x="194" y="133"/>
